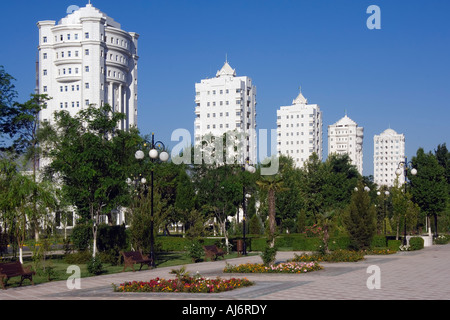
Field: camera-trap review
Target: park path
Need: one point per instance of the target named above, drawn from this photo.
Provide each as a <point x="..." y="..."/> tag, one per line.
<point x="422" y="275"/>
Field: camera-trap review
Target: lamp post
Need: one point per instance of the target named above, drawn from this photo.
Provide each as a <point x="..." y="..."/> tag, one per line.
<point x="157" y="150"/>
<point x="250" y="169"/>
<point x="386" y="193"/>
<point x="403" y="167"/>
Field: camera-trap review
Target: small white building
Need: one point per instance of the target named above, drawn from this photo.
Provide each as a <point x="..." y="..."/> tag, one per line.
<point x="388" y="153"/>
<point x="224" y="104"/>
<point x="86" y="58"/>
<point x="299" y="130"/>
<point x="346" y="137"/>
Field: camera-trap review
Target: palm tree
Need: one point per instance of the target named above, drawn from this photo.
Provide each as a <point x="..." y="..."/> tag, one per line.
<point x="271" y="184"/>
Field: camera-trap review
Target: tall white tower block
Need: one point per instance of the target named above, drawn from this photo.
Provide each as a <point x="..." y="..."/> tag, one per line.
<point x="299" y="130"/>
<point x="87" y="59"/>
<point x="388" y="153"/>
<point x="346" y="137"/>
<point x="224" y="104"/>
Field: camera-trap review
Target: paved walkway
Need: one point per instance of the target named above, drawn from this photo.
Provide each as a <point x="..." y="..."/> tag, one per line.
<point x="423" y="275"/>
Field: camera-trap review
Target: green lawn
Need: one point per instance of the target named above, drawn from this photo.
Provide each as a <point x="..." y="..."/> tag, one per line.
<point x="59" y="267"/>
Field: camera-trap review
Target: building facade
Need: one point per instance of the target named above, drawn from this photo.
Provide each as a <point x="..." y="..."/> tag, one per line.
<point x="346" y="137"/>
<point x="299" y="130"/>
<point x="226" y="104"/>
<point x="87" y="59"/>
<point x="388" y="153"/>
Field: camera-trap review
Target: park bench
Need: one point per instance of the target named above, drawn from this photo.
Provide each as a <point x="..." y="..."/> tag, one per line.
<point x="132" y="257"/>
<point x="14" y="269"/>
<point x="212" y="251"/>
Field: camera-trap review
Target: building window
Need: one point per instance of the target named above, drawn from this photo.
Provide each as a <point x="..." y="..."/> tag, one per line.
<point x="86" y="52"/>
<point x="45" y="72"/>
<point x="44" y="39"/>
<point x="45" y="88"/>
<point x="86" y="35"/>
<point x="86" y="85"/>
<point x="86" y="68"/>
<point x="44" y="56"/>
<point x="86" y="102"/>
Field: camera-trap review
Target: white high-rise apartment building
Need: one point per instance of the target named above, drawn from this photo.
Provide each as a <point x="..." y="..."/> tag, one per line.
<point x="299" y="130"/>
<point x="224" y="104"/>
<point x="388" y="153"/>
<point x="86" y="58"/>
<point x="346" y="137"/>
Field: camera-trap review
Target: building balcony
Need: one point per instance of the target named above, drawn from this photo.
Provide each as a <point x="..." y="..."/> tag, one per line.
<point x="68" y="78"/>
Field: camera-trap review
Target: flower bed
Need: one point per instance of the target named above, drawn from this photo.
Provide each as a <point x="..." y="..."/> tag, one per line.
<point x="288" y="267"/>
<point x="187" y="284"/>
<point x="334" y="256"/>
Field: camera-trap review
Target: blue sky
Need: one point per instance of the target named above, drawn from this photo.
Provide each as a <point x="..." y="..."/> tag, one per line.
<point x="396" y="77"/>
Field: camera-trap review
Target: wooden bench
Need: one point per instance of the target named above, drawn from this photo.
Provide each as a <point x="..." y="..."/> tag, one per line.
<point x="132" y="257"/>
<point x="213" y="252"/>
<point x="14" y="269"/>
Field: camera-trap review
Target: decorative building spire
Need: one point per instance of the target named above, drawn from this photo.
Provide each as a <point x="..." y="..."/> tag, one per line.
<point x="226" y="71"/>
<point x="300" y="98"/>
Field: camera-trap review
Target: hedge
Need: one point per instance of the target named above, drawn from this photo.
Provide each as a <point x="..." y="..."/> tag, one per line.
<point x="416" y="243"/>
<point x="295" y="242"/>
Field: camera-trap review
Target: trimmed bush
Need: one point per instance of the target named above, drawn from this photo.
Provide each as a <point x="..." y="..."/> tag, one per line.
<point x="82" y="237"/>
<point x="416" y="243"/>
<point x="394" y="244"/>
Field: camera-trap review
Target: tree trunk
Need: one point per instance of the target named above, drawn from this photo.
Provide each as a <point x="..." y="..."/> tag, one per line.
<point x="272" y="217"/>
<point x="326" y="236"/>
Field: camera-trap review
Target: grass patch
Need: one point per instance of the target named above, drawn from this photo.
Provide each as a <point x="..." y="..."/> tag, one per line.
<point x="56" y="267"/>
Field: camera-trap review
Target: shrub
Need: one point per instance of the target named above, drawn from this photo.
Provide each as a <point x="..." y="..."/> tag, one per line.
<point x="416" y="243"/>
<point x="394" y="244"/>
<point x="110" y="241"/>
<point x="94" y="266"/>
<point x="171" y="243"/>
<point x="441" y="239"/>
<point x="268" y="255"/>
<point x="339" y="255"/>
<point x="80" y="257"/>
<point x="195" y="251"/>
<point x="81" y="237"/>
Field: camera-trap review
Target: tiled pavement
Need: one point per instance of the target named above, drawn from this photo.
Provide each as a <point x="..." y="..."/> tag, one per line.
<point x="422" y="275"/>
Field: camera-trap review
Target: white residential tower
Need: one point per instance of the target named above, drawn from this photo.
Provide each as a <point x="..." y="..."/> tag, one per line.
<point x="86" y="58"/>
<point x="224" y="104"/>
<point x="346" y="137"/>
<point x="388" y="153"/>
<point x="299" y="130"/>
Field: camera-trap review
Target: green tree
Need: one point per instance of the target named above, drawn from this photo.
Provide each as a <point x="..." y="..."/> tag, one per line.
<point x="289" y="202"/>
<point x="272" y="185"/>
<point x="20" y="198"/>
<point x="219" y="192"/>
<point x="8" y="96"/>
<point x="359" y="219"/>
<point x="91" y="160"/>
<point x="429" y="187"/>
